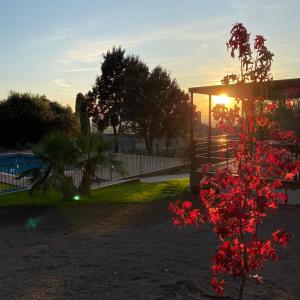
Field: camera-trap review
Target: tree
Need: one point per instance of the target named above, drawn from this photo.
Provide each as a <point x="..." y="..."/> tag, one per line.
<point x="176" y="114"/>
<point x="81" y="110"/>
<point x="161" y="112"/>
<point x="27" y="117"/>
<point x="106" y="100"/>
<point x="136" y="77"/>
<point x="127" y="97"/>
<point x="63" y="119"/>
<point x="236" y="205"/>
<point x="92" y="152"/>
<point x="56" y="151"/>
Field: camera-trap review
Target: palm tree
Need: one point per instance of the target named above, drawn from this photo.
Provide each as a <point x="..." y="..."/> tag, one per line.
<point x="92" y="152"/>
<point x="56" y="151"/>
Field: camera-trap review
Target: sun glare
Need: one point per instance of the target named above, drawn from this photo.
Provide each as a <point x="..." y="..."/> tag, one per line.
<point x="222" y="99"/>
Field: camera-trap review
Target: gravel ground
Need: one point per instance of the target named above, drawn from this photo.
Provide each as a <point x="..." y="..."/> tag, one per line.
<point x="108" y="251"/>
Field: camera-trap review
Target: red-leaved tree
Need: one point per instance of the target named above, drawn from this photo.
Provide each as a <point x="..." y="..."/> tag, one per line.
<point x="236" y="199"/>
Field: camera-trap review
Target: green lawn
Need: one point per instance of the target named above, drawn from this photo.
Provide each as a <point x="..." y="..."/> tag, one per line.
<point x="124" y="193"/>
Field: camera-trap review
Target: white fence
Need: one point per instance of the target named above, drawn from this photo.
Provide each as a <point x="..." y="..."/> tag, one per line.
<point x="131" y="165"/>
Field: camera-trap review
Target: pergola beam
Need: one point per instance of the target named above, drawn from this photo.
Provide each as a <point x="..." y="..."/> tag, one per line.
<point x="209" y="116"/>
<point x="192" y="147"/>
<point x="275" y="88"/>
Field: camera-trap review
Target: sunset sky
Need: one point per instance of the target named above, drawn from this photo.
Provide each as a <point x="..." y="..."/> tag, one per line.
<point x="54" y="47"/>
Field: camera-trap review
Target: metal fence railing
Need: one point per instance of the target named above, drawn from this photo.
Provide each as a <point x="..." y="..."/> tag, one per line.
<point x="215" y="150"/>
<point x="131" y="165"/>
<point x="219" y="152"/>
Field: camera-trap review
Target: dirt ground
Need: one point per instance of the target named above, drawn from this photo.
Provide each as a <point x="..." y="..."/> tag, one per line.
<point x="110" y="251"/>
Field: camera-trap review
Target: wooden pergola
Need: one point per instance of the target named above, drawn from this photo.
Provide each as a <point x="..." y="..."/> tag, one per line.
<point x="276" y="89"/>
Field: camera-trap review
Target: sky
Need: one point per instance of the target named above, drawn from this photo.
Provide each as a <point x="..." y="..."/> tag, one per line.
<point x="55" y="47"/>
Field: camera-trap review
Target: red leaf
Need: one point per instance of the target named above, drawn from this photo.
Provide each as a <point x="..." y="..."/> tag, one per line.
<point x="281" y="237"/>
<point x="218" y="286"/>
<point x="289" y="176"/>
<point x="186" y="205"/>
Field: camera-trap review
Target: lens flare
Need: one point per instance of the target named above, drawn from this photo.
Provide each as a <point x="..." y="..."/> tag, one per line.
<point x="76" y="197"/>
<point x="222" y="99"/>
<point x="32" y="223"/>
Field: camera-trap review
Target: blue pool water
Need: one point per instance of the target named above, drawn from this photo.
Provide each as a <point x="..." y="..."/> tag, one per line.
<point x="17" y="163"/>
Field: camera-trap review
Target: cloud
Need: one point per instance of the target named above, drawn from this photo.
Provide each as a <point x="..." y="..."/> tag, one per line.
<point x="62" y="61"/>
<point x="247" y="7"/>
<point x="59" y="33"/>
<point x="87" y="50"/>
<point x="75" y="70"/>
<point x="55" y="38"/>
<point x="61" y="83"/>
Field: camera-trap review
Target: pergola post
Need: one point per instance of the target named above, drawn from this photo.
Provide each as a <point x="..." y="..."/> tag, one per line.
<point x="192" y="147"/>
<point x="209" y="128"/>
<point x="242" y="108"/>
<point x="209" y="116"/>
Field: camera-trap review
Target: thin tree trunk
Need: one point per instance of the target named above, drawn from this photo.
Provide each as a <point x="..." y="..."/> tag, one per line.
<point x="67" y="188"/>
<point x="245" y="263"/>
<point x="116" y="144"/>
<point x="148" y="147"/>
<point x="167" y="144"/>
<point x="242" y="286"/>
<point x="85" y="185"/>
<point x="148" y="144"/>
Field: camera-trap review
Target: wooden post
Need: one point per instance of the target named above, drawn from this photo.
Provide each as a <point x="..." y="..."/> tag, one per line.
<point x="227" y="149"/>
<point x="192" y="148"/>
<point x="242" y="109"/>
<point x="209" y="117"/>
<point x="209" y="128"/>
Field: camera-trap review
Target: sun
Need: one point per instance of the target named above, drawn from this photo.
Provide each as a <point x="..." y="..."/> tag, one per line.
<point x="222" y="99"/>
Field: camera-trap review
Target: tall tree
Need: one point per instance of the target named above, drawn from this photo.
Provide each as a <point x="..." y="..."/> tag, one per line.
<point x="122" y="82"/>
<point x="81" y="110"/>
<point x="107" y="96"/>
<point x="127" y="97"/>
<point x="176" y="113"/>
<point x="162" y="112"/>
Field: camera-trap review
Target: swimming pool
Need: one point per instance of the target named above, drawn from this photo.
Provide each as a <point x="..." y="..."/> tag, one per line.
<point x="16" y="163"/>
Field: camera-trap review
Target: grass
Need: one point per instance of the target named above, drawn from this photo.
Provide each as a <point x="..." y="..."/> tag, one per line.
<point x="124" y="193"/>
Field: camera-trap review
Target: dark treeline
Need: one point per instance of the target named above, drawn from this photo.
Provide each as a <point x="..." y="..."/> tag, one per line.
<point x="128" y="97"/>
<point x="25" y="118"/>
